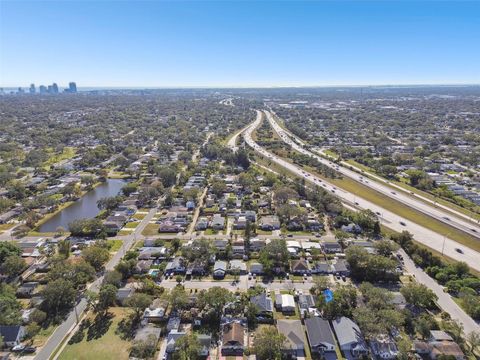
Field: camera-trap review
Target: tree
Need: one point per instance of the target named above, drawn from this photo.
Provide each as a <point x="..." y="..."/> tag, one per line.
<point x="187" y="347"/>
<point x="269" y="344"/>
<point x="218" y="187"/>
<point x="418" y="295"/>
<point x="113" y="277"/>
<point x="38" y="316"/>
<point x="385" y="247"/>
<point x="109" y="203"/>
<point x="423" y="324"/>
<point x="106" y="297"/>
<point x="9" y="306"/>
<point x="13" y="265"/>
<point x="8" y="249"/>
<point x="32" y="329"/>
<point x="129" y="188"/>
<point x="178" y="298"/>
<point x="144" y="349"/>
<point x="404" y="347"/>
<point x="473" y="340"/>
<point x="369" y="267"/>
<point x="274" y="255"/>
<point x="64" y="248"/>
<point x="138" y="302"/>
<point x="59" y="295"/>
<point x="96" y="256"/>
<point x="86" y="227"/>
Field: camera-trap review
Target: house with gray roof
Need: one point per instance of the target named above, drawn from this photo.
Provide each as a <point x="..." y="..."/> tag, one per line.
<point x="264" y="304"/>
<point x="219" y="269"/>
<point x="319" y="335"/>
<point x="349" y="336"/>
<point x="293" y="331"/>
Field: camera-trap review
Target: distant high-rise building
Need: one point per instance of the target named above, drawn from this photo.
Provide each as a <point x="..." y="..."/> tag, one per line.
<point x="54" y="88"/>
<point x="72" y="87"/>
<point x="50" y="89"/>
<point x="20" y="91"/>
<point x="32" y="89"/>
<point x="43" y="89"/>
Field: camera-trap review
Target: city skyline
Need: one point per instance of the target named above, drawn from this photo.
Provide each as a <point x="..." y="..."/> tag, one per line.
<point x="239" y="44"/>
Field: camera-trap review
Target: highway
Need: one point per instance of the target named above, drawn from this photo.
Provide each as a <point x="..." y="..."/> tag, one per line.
<point x="458" y="220"/>
<point x="421" y="234"/>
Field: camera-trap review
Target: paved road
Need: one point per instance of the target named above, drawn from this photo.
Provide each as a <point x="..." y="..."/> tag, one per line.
<point x="445" y="301"/>
<point x="63" y="329"/>
<point x="421" y="234"/>
<point x="424" y="205"/>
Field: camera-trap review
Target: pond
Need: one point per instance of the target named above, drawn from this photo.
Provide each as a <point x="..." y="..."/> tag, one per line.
<point x="85" y="207"/>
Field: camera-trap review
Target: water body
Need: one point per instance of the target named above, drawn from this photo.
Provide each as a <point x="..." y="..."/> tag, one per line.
<point x="85" y="207"/>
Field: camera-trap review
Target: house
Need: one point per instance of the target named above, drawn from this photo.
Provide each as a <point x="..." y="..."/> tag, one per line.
<point x="256" y="268"/>
<point x="321" y="268"/>
<point x="240" y="223"/>
<point x="172" y="338"/>
<point x="269" y="223"/>
<point x="384" y="347"/>
<point x="202" y="224"/>
<point x="124" y="293"/>
<point x="300" y="267"/>
<point x="27" y="289"/>
<point x="340" y="268"/>
<point x="143" y="266"/>
<point x="173" y="323"/>
<point x="351" y="228"/>
<point x="197" y="268"/>
<point x="331" y="247"/>
<point x="238" y="266"/>
<point x="176" y="266"/>
<point x="442" y="344"/>
<point x="293" y="332"/>
<point x="220" y="244"/>
<point x="319" y="335"/>
<point x="12" y="335"/>
<point x="219" y="269"/>
<point x="257" y="244"/>
<point x="305" y="302"/>
<point x="233" y="339"/>
<point x="349" y="336"/>
<point x="264" y="304"/>
<point x="285" y="303"/>
<point x="190" y="205"/>
<point x="205" y="341"/>
<point x="155" y="312"/>
<point x="218" y="222"/>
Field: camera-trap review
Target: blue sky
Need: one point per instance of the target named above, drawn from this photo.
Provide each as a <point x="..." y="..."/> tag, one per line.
<point x="239" y="43"/>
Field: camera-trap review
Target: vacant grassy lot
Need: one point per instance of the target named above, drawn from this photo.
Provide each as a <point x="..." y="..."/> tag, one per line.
<point x="115" y="244"/>
<point x="150" y="230"/>
<point x="108" y="346"/>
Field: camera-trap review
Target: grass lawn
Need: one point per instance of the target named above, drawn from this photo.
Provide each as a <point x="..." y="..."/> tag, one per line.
<point x="108" y="346"/>
<point x="150" y="230"/>
<point x="212" y="232"/>
<point x="67" y="153"/>
<point x="6" y="226"/>
<point x="425" y="194"/>
<point x="41" y="338"/>
<point x="263" y="232"/>
<point x="115" y="244"/>
<point x="132" y="225"/>
<point x="138" y="216"/>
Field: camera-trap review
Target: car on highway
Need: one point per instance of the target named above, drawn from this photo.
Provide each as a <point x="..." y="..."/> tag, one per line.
<point x="394" y="193"/>
<point x="446" y="218"/>
<point x="356" y="203"/>
<point x="402" y="223"/>
<point x="458" y="250"/>
<point x="377" y="212"/>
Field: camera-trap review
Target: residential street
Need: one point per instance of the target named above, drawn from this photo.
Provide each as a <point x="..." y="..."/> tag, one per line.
<point x="445" y="301"/>
<point x="63" y="329"/>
